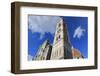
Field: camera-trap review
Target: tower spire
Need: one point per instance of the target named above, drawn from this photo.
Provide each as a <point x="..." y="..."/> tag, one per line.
<point x="61" y="47"/>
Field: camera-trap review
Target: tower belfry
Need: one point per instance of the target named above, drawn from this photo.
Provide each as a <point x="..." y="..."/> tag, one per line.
<point x="61" y="46"/>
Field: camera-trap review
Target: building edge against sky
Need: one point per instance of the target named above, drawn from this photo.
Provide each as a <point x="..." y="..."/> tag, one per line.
<point x="61" y="48"/>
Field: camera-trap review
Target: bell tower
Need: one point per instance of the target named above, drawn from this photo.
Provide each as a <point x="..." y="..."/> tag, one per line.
<point x="61" y="46"/>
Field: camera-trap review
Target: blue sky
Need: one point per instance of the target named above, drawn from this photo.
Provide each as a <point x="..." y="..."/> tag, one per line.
<point x="41" y="28"/>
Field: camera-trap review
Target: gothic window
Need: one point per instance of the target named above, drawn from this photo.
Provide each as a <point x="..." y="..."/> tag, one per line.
<point x="58" y="31"/>
<point x="59" y="25"/>
<point x="59" y="36"/>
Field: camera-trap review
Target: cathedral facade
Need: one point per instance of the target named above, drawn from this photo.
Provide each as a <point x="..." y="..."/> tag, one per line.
<point x="61" y="47"/>
<point x="44" y="52"/>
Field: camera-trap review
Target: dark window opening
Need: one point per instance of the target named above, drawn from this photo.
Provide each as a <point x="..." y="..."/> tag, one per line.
<point x="59" y="25"/>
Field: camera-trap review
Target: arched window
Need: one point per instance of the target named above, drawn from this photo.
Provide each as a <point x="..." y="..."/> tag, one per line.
<point x="59" y="36"/>
<point x="59" y="30"/>
<point x="59" y="25"/>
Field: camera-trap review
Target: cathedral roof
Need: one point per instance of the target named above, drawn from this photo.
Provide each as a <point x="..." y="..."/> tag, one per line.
<point x="76" y="53"/>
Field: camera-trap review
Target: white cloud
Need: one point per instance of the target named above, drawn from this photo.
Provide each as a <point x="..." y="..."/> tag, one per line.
<point x="30" y="57"/>
<point x="78" y="32"/>
<point x="43" y="24"/>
